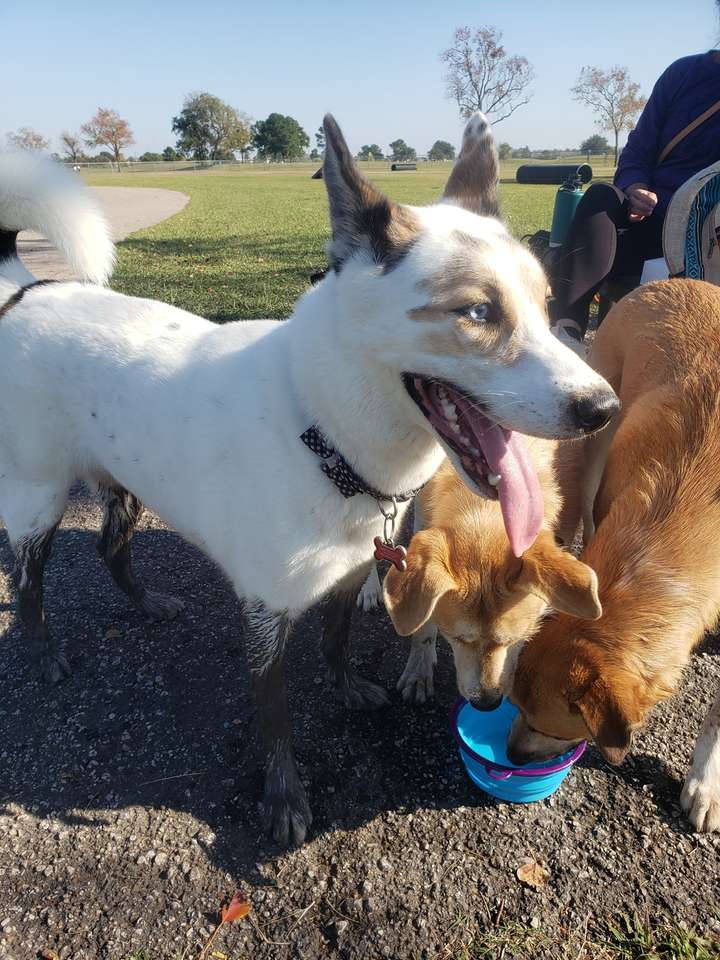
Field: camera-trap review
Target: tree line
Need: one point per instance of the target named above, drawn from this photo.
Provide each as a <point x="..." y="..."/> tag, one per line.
<point x="480" y="75"/>
<point x="207" y="128"/>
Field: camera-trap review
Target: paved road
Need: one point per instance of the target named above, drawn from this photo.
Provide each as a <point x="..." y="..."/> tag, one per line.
<point x="127" y="209"/>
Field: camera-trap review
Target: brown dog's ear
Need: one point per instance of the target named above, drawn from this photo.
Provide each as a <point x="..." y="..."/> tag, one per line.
<point x="473" y="183"/>
<point x="551" y="573"/>
<point x="411" y="597"/>
<point x="360" y="215"/>
<point x="610" y="711"/>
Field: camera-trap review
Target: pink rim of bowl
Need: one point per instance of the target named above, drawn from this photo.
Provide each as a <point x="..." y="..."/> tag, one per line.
<point x="499" y="771"/>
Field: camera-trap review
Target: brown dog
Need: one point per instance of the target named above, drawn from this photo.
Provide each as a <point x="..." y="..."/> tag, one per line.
<point x="463" y="580"/>
<point x="654" y="481"/>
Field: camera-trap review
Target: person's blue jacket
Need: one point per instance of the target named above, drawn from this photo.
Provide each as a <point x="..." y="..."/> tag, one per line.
<point x="684" y="91"/>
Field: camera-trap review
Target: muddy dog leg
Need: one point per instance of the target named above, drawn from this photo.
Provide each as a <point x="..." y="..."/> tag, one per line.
<point x="32" y="553"/>
<point x="287" y="812"/>
<point x="32" y="512"/>
<point x="354" y="691"/>
<point x="700" y="797"/>
<point x="122" y="512"/>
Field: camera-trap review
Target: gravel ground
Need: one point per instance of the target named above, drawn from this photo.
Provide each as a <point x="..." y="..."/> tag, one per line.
<point x="129" y="794"/>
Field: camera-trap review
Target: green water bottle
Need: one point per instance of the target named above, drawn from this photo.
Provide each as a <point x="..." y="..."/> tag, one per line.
<point x="566" y="200"/>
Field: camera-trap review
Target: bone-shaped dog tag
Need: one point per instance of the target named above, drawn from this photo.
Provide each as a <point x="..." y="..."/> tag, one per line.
<point x="397" y="556"/>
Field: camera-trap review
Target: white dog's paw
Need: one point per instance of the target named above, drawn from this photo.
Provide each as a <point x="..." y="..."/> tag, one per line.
<point x="160" y="606"/>
<point x="700" y="799"/>
<point x="370" y="595"/>
<point x="416" y="683"/>
<point x="357" y="693"/>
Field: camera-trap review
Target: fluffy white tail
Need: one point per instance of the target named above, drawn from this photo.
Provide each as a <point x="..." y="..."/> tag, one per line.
<point x="38" y="194"/>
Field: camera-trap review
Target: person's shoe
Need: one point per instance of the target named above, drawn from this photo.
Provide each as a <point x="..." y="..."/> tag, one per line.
<point x="570" y="335"/>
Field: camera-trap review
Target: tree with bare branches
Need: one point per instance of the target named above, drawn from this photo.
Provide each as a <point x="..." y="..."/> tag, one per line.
<point x="27" y="139"/>
<point x="612" y="96"/>
<point x="71" y="146"/>
<point x="108" y="129"/>
<point x="481" y="75"/>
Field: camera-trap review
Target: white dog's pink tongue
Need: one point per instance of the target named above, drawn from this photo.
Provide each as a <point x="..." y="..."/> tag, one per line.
<point x="521" y="498"/>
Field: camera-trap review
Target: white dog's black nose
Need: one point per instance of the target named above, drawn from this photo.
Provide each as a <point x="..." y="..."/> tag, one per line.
<point x="595" y="410"/>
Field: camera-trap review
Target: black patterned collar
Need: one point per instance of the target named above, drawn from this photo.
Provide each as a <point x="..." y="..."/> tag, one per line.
<point x="342" y="474"/>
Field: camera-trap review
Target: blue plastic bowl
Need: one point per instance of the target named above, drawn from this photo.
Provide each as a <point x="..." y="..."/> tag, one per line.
<point x="482" y="736"/>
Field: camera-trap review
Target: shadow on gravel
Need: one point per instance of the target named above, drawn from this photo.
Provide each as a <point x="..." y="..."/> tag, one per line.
<point x="646" y="774"/>
<point x="160" y="715"/>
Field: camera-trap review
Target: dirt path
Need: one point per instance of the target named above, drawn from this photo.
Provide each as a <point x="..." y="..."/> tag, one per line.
<point x="129" y="795"/>
<point x="127" y="209"/>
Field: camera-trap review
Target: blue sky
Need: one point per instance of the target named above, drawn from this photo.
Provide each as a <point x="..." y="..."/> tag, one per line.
<point x="374" y="65"/>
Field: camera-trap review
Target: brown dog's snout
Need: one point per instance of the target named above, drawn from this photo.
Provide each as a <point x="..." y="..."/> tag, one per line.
<point x="516" y="756"/>
<point x="595" y="410"/>
<point x="487" y="700"/>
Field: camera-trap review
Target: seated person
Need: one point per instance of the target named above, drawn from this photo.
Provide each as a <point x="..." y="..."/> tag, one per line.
<point x="616" y="228"/>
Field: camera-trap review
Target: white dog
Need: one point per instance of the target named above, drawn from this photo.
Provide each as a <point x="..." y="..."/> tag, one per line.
<point x="278" y="447"/>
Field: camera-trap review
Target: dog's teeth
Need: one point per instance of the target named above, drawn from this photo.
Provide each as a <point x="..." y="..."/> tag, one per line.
<point x="442" y="393"/>
<point x="494" y="479"/>
<point x="455" y="427"/>
<point x="474" y="451"/>
<point x="449" y="410"/>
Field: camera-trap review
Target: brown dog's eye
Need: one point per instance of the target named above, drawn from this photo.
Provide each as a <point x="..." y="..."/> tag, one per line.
<point x="459" y="639"/>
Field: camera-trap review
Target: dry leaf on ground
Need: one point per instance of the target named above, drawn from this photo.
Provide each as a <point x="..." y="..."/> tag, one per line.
<point x="239" y="908"/>
<point x="533" y="874"/>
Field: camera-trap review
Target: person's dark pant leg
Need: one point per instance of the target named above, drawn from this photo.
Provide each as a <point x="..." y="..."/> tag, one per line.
<point x="601" y="242"/>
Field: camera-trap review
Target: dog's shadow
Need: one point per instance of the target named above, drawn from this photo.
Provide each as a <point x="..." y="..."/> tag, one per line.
<point x="160" y="714"/>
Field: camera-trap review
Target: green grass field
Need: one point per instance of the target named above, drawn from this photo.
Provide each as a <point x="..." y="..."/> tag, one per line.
<point x="250" y="237"/>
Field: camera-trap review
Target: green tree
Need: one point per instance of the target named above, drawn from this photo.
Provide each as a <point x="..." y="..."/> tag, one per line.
<point x="595" y="144"/>
<point x="150" y="157"/>
<point x="401" y="151"/>
<point x="279" y="138"/>
<point x="371" y="152"/>
<point x="170" y="153"/>
<point x="441" y="150"/>
<point x="210" y="129"/>
<point x="320" y="139"/>
<point x="505" y="151"/>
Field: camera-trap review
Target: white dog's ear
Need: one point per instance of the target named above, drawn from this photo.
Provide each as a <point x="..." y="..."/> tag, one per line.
<point x="473" y="183"/>
<point x="362" y="218"/>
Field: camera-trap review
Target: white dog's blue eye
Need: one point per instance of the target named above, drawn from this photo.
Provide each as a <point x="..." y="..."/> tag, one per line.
<point x="479" y="312"/>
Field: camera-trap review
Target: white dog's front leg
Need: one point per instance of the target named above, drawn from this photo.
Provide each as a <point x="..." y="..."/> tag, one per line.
<point x="416" y="682"/>
<point x="701" y="794"/>
<point x="370" y="595"/>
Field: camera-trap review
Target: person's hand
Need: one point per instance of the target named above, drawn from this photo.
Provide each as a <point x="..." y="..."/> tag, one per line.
<point x="642" y="201"/>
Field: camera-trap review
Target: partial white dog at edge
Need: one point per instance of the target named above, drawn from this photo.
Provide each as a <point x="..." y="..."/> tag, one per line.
<point x="429" y="336"/>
